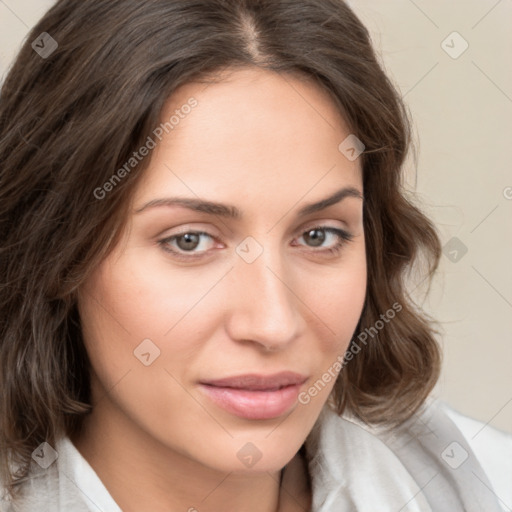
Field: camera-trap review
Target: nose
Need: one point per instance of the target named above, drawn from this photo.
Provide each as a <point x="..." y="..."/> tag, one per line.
<point x="264" y="304"/>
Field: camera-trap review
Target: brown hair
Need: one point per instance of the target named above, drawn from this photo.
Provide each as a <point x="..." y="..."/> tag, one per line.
<point x="70" y="120"/>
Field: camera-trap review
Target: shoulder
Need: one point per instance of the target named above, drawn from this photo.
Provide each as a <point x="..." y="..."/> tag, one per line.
<point x="491" y="446"/>
<point x="474" y="457"/>
<point x="48" y="486"/>
<point x="434" y="456"/>
<point x="38" y="491"/>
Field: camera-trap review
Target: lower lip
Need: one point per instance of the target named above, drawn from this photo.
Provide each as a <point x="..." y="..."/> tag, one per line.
<point x="253" y="405"/>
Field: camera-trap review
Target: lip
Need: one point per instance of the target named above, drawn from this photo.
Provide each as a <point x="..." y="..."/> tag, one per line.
<point x="255" y="397"/>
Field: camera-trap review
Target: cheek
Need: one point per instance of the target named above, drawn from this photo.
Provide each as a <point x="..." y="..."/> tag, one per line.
<point x="127" y="302"/>
<point x="140" y="300"/>
<point x="338" y="300"/>
<point x="344" y="304"/>
<point x="125" y="311"/>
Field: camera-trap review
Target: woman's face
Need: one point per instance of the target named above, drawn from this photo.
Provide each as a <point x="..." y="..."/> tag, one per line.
<point x="195" y="293"/>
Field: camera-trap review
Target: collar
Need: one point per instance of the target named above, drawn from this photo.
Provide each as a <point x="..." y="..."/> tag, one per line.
<point x="357" y="467"/>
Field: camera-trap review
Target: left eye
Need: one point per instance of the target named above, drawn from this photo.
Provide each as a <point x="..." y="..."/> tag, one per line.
<point x="318" y="235"/>
<point x="184" y="245"/>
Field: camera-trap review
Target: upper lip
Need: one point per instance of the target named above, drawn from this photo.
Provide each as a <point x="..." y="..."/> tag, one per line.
<point x="255" y="382"/>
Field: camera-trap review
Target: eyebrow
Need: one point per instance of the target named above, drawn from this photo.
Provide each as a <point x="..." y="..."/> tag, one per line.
<point x="229" y="211"/>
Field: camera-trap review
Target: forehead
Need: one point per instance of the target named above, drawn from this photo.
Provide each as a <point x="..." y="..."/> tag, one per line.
<point x="251" y="100"/>
<point x="252" y="130"/>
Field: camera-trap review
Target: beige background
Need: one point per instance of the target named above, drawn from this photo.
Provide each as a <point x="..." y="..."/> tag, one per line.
<point x="462" y="112"/>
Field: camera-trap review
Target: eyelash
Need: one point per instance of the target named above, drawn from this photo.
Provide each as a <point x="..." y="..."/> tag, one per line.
<point x="343" y="238"/>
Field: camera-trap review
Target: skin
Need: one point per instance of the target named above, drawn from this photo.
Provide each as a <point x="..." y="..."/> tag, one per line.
<point x="267" y="144"/>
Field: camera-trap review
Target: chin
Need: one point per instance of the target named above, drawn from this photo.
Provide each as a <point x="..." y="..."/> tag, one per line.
<point x="249" y="453"/>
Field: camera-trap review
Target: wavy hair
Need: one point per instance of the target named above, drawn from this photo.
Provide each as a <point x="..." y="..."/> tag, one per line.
<point x="70" y="118"/>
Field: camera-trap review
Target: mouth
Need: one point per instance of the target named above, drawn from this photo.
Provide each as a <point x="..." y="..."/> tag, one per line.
<point x="255" y="397"/>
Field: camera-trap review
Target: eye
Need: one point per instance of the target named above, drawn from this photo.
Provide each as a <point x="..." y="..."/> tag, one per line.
<point x="318" y="235"/>
<point x="186" y="242"/>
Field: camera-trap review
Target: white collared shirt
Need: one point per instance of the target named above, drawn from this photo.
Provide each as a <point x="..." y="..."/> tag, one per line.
<point x="438" y="461"/>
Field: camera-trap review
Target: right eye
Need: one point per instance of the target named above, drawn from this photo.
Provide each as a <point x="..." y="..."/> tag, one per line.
<point x="184" y="245"/>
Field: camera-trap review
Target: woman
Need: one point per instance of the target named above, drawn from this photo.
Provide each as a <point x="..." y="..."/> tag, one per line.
<point x="205" y="245"/>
